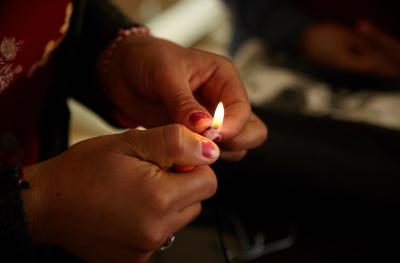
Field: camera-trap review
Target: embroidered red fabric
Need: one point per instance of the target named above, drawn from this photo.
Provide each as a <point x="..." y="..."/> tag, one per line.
<point x="29" y="31"/>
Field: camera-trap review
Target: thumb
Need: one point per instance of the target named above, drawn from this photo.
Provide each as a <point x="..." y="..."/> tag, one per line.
<point x="171" y="145"/>
<point x="183" y="106"/>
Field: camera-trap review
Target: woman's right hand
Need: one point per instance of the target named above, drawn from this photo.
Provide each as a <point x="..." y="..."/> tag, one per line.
<point x="114" y="198"/>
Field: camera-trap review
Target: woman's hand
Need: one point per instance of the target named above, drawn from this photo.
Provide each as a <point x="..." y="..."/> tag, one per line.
<point x="365" y="50"/>
<point x="155" y="82"/>
<point x="383" y="43"/>
<point x="114" y="198"/>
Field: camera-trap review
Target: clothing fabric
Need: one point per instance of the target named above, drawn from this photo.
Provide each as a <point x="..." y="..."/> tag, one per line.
<point x="48" y="53"/>
<point x="15" y="242"/>
<point x="27" y="39"/>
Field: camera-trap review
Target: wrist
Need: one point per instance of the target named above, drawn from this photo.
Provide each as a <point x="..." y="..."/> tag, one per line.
<point x="111" y="74"/>
<point x="108" y="62"/>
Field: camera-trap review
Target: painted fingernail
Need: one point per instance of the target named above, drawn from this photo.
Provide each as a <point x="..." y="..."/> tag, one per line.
<point x="195" y="117"/>
<point x="209" y="149"/>
<point x="213" y="135"/>
<point x="218" y="138"/>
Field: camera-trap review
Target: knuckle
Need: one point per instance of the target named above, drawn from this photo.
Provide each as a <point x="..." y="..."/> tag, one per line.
<point x="131" y="136"/>
<point x="211" y="183"/>
<point x="226" y="61"/>
<point x="173" y="136"/>
<point x="163" y="69"/>
<point x="159" y="203"/>
<point x="228" y="64"/>
<point x="133" y="141"/>
<point x="197" y="209"/>
<point x="182" y="100"/>
<point x="132" y="133"/>
<point x="153" y="237"/>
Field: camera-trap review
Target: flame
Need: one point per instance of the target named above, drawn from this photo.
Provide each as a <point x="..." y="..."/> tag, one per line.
<point x="218" y="117"/>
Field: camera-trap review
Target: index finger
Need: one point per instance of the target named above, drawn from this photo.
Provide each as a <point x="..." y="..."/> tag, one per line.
<point x="253" y="135"/>
<point x="189" y="188"/>
<point x="226" y="85"/>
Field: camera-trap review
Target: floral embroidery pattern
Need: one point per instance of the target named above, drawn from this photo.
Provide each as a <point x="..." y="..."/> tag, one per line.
<point x="9" y="48"/>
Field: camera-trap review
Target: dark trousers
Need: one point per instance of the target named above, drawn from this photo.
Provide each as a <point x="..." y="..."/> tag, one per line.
<point x="337" y="182"/>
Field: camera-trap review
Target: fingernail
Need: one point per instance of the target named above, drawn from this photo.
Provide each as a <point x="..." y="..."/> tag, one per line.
<point x="209" y="149"/>
<point x="218" y="138"/>
<point x="213" y="135"/>
<point x="195" y="117"/>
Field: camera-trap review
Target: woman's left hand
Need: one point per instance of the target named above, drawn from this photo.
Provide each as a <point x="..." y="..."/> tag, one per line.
<point x="154" y="82"/>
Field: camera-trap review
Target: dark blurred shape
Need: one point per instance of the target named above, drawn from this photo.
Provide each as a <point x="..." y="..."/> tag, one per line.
<point x="382" y="13"/>
<point x="336" y="181"/>
<point x="349" y="41"/>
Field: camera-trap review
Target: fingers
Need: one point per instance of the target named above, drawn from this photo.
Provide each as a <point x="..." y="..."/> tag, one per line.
<point x="171" y="201"/>
<point x="214" y="79"/>
<point x="338" y="47"/>
<point x="190" y="188"/>
<point x="182" y="218"/>
<point x="225" y="85"/>
<point x="360" y="57"/>
<point x="186" y="194"/>
<point x="379" y="37"/>
<point x="171" y="145"/>
<point x="369" y="63"/>
<point x="385" y="45"/>
<point x="233" y="156"/>
<point x="174" y="223"/>
<point x="180" y="101"/>
<point x="253" y="134"/>
<point x="176" y="145"/>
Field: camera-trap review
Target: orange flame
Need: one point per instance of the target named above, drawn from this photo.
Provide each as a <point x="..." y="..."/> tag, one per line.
<point x="218" y="117"/>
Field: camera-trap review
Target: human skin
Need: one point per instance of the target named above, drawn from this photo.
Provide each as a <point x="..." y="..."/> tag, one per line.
<point x="365" y="49"/>
<point x="115" y="198"/>
<point x="154" y="82"/>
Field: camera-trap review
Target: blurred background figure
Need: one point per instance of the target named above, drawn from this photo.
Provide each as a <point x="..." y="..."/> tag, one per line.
<point x="326" y="77"/>
<point x="357" y="36"/>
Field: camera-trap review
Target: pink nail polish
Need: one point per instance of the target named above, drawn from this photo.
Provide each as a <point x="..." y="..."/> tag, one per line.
<point x="213" y="135"/>
<point x="218" y="138"/>
<point x="209" y="150"/>
<point x="195" y="117"/>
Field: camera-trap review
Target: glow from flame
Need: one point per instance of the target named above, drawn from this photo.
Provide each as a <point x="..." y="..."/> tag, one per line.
<point x="218" y="117"/>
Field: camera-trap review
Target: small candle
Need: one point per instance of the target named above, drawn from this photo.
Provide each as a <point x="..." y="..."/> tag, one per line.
<point x="214" y="132"/>
<point x="218" y="117"/>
